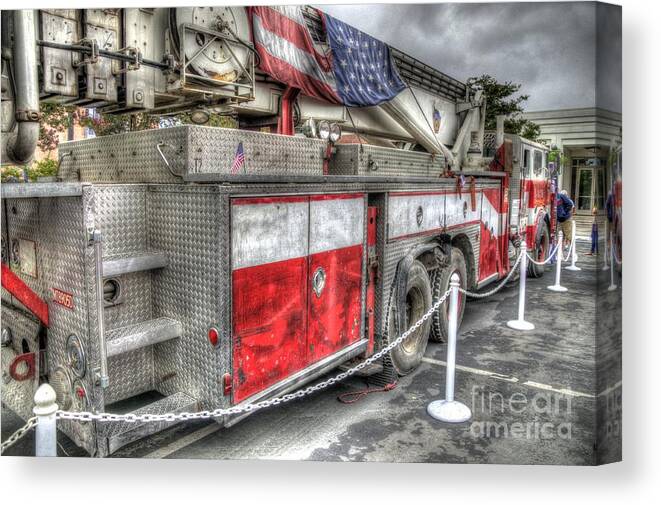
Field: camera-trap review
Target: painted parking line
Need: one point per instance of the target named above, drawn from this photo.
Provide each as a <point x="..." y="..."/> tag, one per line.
<point x="475" y="371"/>
<point x="511" y="379"/>
<point x="191" y="438"/>
<point x="617" y="385"/>
<point x="561" y="391"/>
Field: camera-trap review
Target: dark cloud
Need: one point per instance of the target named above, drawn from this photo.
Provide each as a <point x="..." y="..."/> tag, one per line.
<point x="550" y="48"/>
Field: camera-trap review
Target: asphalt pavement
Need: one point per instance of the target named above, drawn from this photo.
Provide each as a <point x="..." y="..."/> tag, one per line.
<point x="544" y="396"/>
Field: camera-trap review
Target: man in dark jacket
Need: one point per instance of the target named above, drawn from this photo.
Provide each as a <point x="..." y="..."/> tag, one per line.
<point x="565" y="211"/>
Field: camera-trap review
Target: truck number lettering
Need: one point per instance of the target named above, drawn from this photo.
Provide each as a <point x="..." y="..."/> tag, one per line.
<point x="63" y="298"/>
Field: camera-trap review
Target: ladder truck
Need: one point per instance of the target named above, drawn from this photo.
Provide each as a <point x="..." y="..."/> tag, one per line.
<point x="152" y="276"/>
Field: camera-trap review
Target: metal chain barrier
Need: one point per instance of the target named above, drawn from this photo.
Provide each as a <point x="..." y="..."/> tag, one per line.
<point x="499" y="286"/>
<point x="205" y="414"/>
<point x="18" y="434"/>
<point x="571" y="251"/>
<point x="547" y="260"/>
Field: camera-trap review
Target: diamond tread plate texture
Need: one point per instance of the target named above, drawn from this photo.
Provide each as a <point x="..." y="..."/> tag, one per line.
<point x="130" y="374"/>
<point x="127" y="157"/>
<point x="56" y="226"/>
<point x="178" y="402"/>
<point x="191" y="224"/>
<point x="120" y="214"/>
<point x="361" y="159"/>
<point x="145" y="333"/>
<point x="134" y="157"/>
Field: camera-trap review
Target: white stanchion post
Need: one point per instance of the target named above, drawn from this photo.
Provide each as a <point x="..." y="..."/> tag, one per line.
<point x="450" y="410"/>
<point x="46" y="431"/>
<point x="574" y="256"/>
<point x="607" y="247"/>
<point x="521" y="323"/>
<point x="612" y="286"/>
<point x="558" y="267"/>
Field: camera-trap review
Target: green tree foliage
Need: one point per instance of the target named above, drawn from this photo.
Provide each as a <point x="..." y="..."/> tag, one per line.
<point x="110" y="124"/>
<point x="43" y="168"/>
<point x="504" y="98"/>
<point x="55" y="119"/>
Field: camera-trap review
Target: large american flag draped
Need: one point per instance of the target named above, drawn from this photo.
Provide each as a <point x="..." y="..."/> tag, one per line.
<point x="358" y="72"/>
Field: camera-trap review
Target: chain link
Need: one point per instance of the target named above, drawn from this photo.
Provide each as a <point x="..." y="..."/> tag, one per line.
<point x="571" y="249"/>
<point x="251" y="407"/>
<point x="542" y="263"/>
<point x="471" y="294"/>
<point x="18" y="434"/>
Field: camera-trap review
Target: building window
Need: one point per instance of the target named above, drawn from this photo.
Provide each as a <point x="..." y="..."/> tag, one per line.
<point x="537" y="162"/>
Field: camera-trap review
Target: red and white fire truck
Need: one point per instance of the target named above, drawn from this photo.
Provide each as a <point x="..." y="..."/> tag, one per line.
<point x="153" y="276"/>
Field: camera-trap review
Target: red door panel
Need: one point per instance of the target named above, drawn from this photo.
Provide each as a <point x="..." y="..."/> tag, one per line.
<point x="269" y="321"/>
<point x="335" y="312"/>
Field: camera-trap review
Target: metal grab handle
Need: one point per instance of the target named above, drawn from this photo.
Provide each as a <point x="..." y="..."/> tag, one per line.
<point x="165" y="160"/>
<point x="319" y="281"/>
<point x="96" y="240"/>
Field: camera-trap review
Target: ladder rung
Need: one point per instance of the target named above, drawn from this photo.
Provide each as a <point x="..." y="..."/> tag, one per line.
<point x="135" y="263"/>
<point x="135" y="336"/>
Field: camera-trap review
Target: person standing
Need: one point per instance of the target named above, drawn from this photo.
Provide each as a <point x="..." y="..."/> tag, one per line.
<point x="594" y="249"/>
<point x="565" y="212"/>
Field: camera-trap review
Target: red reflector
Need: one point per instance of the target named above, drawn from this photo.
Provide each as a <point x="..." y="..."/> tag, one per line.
<point x="227" y="384"/>
<point x="213" y="336"/>
<point x="80" y="392"/>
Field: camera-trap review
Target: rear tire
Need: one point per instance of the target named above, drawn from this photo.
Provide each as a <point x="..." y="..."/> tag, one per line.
<point x="407" y="355"/>
<point x="540" y="251"/>
<point x="440" y="282"/>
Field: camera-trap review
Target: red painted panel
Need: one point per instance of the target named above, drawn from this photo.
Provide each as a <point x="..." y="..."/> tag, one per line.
<point x="269" y="324"/>
<point x="269" y="199"/>
<point x="335" y="196"/>
<point x="22" y="292"/>
<point x="488" y="253"/>
<point x="493" y="195"/>
<point x="335" y="314"/>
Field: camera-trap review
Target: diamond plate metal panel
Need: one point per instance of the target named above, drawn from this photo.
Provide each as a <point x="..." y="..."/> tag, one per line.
<point x="212" y="150"/>
<point x="127" y="157"/>
<point x="368" y="160"/>
<point x="143" y="334"/>
<point x="135" y="157"/>
<point x="120" y="216"/>
<point x="190" y="224"/>
<point x="135" y="303"/>
<point x="56" y="226"/>
<point x="130" y="373"/>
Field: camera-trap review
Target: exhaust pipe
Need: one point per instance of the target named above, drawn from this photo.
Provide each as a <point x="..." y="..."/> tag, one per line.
<point x="22" y="144"/>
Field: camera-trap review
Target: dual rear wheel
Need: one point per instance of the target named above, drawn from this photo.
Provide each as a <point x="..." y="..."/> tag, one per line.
<point x="422" y="291"/>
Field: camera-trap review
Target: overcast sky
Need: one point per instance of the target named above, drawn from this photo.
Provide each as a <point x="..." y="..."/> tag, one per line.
<point x="550" y="48"/>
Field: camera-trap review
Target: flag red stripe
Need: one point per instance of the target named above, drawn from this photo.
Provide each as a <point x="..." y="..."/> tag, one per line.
<point x="283" y="71"/>
<point x="286" y="28"/>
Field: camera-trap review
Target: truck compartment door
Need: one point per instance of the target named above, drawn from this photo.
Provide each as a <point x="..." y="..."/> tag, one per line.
<point x="269" y="291"/>
<point x="335" y="273"/>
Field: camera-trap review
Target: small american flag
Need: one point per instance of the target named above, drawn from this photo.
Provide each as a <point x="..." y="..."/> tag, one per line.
<point x="239" y="159"/>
